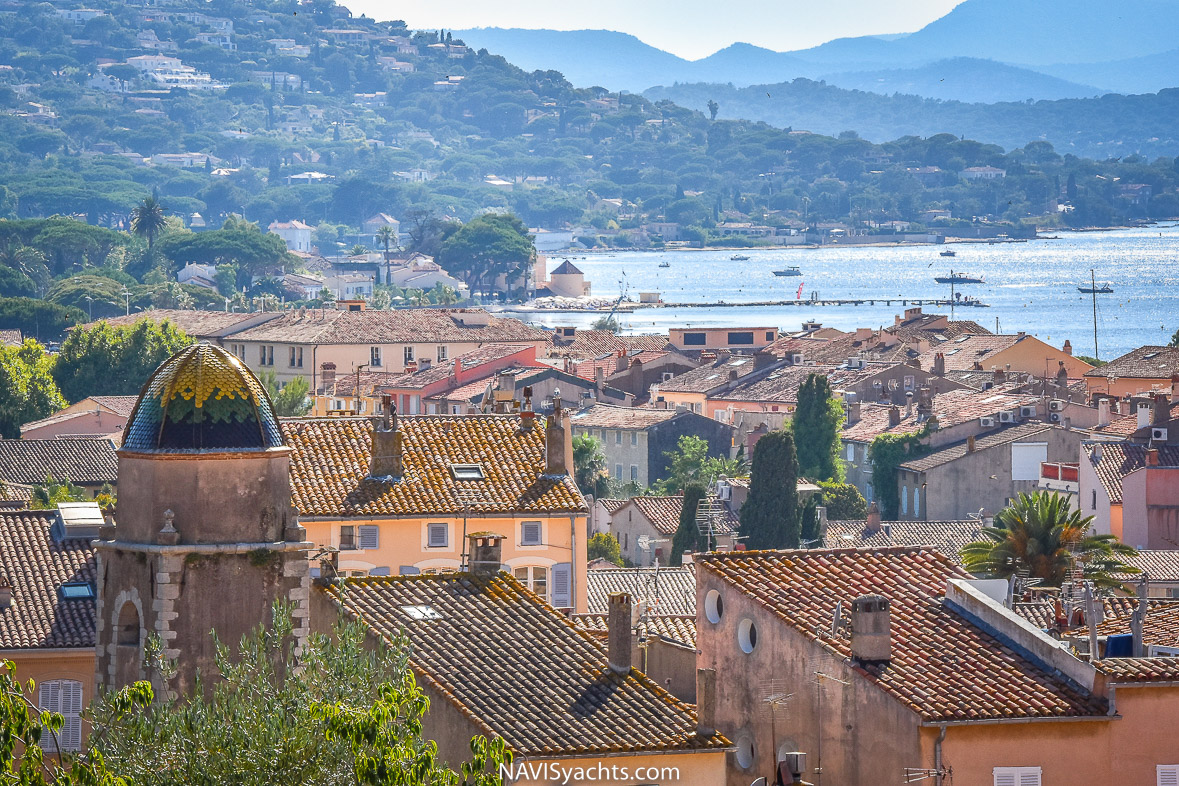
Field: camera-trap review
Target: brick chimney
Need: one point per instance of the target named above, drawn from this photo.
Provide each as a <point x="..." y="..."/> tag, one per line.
<point x="458" y="371"/>
<point x="620" y="641"/>
<point x="872" y="524"/>
<point x="939" y="365"/>
<point x="1000" y="376"/>
<point x="705" y="702"/>
<point x="621" y="363"/>
<point x="556" y="440"/>
<point x="1152" y="457"/>
<point x="1068" y="347"/>
<point x="486" y="553"/>
<point x="527" y="416"/>
<point x="871" y="631"/>
<point x="327" y="374"/>
<point x="894" y="415"/>
<point x="387" y="443"/>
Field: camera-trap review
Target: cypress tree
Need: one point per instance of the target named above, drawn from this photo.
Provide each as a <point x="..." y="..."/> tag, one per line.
<point x="770" y="516"/>
<point x="816" y="429"/>
<point x="687" y="536"/>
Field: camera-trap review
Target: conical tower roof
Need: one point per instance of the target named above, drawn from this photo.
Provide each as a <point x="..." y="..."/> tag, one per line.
<point x="202" y="399"/>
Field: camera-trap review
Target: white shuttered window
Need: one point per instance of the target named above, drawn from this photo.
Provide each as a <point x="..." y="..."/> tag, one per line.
<point x="1017" y="776"/>
<point x="1168" y="775"/>
<point x="369" y="538"/>
<point x="64" y="697"/>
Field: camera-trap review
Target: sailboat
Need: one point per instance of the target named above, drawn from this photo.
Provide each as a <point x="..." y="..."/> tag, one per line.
<point x="1104" y="289"/>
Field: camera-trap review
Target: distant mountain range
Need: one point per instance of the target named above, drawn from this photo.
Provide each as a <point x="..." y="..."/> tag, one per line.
<point x="982" y="51"/>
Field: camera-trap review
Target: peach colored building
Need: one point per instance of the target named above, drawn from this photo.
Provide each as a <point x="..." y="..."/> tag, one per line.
<point x="93" y="416"/>
<point x="47" y="598"/>
<point x="1018" y="352"/>
<point x="747" y="339"/>
<point x="701" y="389"/>
<point x="883" y="663"/>
<point x="1145" y="370"/>
<point x="400" y="497"/>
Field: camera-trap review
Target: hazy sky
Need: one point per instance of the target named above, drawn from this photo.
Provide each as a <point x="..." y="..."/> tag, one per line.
<point x="689" y="28"/>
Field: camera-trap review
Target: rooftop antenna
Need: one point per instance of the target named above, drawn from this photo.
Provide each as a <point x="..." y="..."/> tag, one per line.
<point x="467" y="499"/>
<point x="820" y="678"/>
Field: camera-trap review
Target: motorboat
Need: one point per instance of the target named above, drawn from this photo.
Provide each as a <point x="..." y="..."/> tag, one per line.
<point x="792" y="270"/>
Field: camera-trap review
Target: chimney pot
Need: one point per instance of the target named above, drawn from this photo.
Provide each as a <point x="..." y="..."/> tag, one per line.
<point x="705" y="702"/>
<point x="1152" y="457"/>
<point x="387" y="446"/>
<point x="970" y="444"/>
<point x="871" y="634"/>
<point x="1160" y="410"/>
<point x="872" y="524"/>
<point x="853" y="412"/>
<point x="1068" y="347"/>
<point x="5" y="592"/>
<point x="1103" y="412"/>
<point x="486" y="550"/>
<point x="556" y="439"/>
<point x="894" y="415"/>
<point x="620" y="640"/>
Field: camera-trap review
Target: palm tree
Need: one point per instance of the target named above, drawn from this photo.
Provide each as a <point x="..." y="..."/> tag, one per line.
<point x="1039" y="535"/>
<point x="147" y="219"/>
<point x="388" y="237"/>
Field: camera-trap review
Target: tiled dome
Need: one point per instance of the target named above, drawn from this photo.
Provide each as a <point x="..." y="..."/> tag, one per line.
<point x="202" y="398"/>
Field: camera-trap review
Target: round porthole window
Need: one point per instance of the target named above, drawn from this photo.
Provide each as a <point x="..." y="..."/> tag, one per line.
<point x="747" y="636"/>
<point x="714" y="606"/>
<point x="745" y="752"/>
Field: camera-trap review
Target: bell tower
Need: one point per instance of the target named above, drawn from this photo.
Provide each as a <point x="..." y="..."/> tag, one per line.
<point x="206" y="538"/>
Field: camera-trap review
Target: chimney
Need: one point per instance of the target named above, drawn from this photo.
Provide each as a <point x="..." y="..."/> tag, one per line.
<point x="621" y="363"/>
<point x="1152" y="457"/>
<point x="599" y="377"/>
<point x="924" y="404"/>
<point x="872" y="524"/>
<point x="327" y="374"/>
<point x="1000" y="376"/>
<point x="1175" y="387"/>
<point x="762" y="359"/>
<point x="486" y="553"/>
<point x="970" y="444"/>
<point x="5" y="592"/>
<point x="411" y="367"/>
<point x="732" y="375"/>
<point x="853" y="409"/>
<point x="458" y="371"/>
<point x="894" y="416"/>
<point x="527" y="416"/>
<point x="555" y="439"/>
<point x="620" y="641"/>
<point x="1061" y="376"/>
<point x="870" y="631"/>
<point x="909" y="404"/>
<point x="424" y="364"/>
<point x="1068" y="347"/>
<point x="1145" y="413"/>
<point x="705" y="702"/>
<point x="1160" y="410"/>
<point x="1103" y="412"/>
<point x="865" y="334"/>
<point x="387" y="447"/>
<point x="939" y="365"/>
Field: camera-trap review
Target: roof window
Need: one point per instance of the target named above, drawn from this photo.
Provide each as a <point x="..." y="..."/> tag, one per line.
<point x="77" y="590"/>
<point x="421" y="612"/>
<point x="466" y="471"/>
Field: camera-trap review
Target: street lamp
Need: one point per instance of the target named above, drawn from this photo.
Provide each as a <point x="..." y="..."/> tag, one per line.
<point x="89" y="306"/>
<point x="126" y="293"/>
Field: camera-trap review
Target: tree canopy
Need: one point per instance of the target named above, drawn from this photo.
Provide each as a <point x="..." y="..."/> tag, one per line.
<point x="816" y="430"/>
<point x="770" y="517"/>
<point x="27" y="389"/>
<point x="489" y="246"/>
<point x="687" y="535"/>
<point x="690" y="462"/>
<point x="104" y="360"/>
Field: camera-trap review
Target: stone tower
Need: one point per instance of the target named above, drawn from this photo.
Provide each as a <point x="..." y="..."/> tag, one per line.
<point x="205" y="538"/>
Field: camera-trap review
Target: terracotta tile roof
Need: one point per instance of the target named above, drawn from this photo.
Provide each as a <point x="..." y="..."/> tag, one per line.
<point x="390" y="327"/>
<point x="1140" y="669"/>
<point x="587" y="369"/>
<point x="330" y="464"/>
<point x="36" y="565"/>
<point x="922" y="328"/>
<point x="1119" y="426"/>
<point x="198" y="324"/>
<point x="943" y="667"/>
<point x="779" y="386"/>
<point x="946" y="536"/>
<point x="666" y="590"/>
<point x="610" y="416"/>
<point x="81" y="461"/>
<point x="345" y="384"/>
<point x="952" y="408"/>
<point x="1113" y="461"/>
<point x="1042" y="613"/>
<point x="120" y="405"/>
<point x="589" y="344"/>
<point x="676" y="629"/>
<point x="10" y="338"/>
<point x="711" y="376"/>
<point x="612" y="505"/>
<point x="985" y="442"/>
<point x="471" y="361"/>
<point x="14" y="492"/>
<point x="963" y="352"/>
<point x="1158" y="564"/>
<point x="1150" y="362"/>
<point x="521" y="670"/>
<point x="1161" y="627"/>
<point x="664" y="514"/>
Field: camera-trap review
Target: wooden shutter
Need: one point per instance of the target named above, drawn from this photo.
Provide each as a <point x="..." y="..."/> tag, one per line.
<point x="530" y="534"/>
<point x="1168" y="775"/>
<point x="369" y="538"/>
<point x="63" y="697"/>
<point x="562" y="589"/>
<point x="436" y="536"/>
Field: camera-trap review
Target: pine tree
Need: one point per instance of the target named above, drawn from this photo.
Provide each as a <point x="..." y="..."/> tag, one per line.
<point x="687" y="536"/>
<point x="770" y="516"/>
<point x="816" y="429"/>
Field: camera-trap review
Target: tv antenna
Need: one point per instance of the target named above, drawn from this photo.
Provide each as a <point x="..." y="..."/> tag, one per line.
<point x="467" y="499"/>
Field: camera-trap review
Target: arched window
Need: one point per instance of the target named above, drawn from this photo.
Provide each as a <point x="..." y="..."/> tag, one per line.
<point x="905" y="499"/>
<point x="64" y="697"/>
<point x="127" y="634"/>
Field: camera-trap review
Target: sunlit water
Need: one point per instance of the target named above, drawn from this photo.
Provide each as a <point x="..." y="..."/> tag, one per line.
<point x="1029" y="286"/>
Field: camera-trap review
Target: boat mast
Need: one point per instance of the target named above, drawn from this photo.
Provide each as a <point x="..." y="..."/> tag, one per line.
<point x="1093" y="289"/>
<point x="951" y="295"/>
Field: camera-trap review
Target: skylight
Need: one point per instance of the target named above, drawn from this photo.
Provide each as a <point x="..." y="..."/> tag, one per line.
<point x="466" y="471"/>
<point x="421" y="612"/>
<point x="77" y="590"/>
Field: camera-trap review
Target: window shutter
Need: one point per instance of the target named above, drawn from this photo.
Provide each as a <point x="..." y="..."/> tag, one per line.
<point x="436" y="537"/>
<point x="71" y="704"/>
<point x="409" y="570"/>
<point x="379" y="572"/>
<point x="1030" y="777"/>
<point x="369" y="538"/>
<point x="530" y="536"/>
<point x="563" y="585"/>
<point x="1168" y="775"/>
<point x="1005" y="778"/>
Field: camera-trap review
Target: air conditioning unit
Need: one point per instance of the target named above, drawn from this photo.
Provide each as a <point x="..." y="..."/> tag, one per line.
<point x="1158" y="434"/>
<point x="855" y="363"/>
<point x="1055" y="417"/>
<point x="1056" y="405"/>
<point x="796" y="359"/>
<point x="1006" y="417"/>
<point x="987" y="422"/>
<point x="724" y="492"/>
<point x="1027" y="412"/>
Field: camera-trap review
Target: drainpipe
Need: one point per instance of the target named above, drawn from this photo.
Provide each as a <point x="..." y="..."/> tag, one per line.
<point x="573" y="560"/>
<point x="937" y="757"/>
